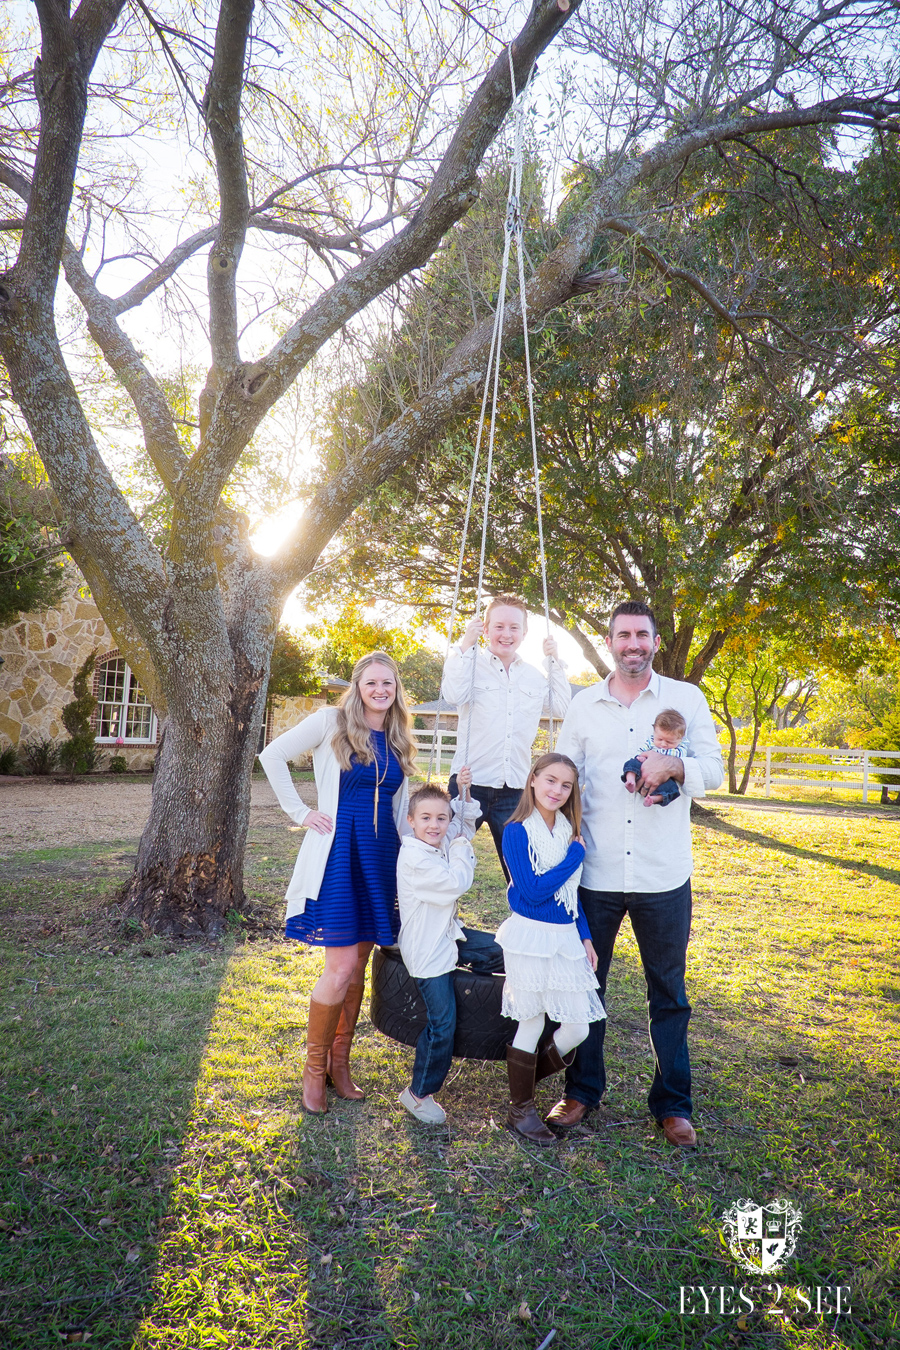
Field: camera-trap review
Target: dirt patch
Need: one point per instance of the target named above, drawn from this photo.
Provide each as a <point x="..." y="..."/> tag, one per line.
<point x="44" y="813"/>
<point x="772" y="806"/>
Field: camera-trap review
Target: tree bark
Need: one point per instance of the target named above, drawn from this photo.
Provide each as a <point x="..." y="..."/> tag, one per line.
<point x="190" y="866"/>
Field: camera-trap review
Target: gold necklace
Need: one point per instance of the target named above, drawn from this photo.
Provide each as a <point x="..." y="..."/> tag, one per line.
<point x="379" y="781"/>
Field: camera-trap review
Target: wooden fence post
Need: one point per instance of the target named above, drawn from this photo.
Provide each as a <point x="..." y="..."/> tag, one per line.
<point x="768" y="770"/>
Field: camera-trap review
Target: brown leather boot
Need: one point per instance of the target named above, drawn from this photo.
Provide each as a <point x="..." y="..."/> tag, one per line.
<point x="323" y="1020"/>
<point x="339" y="1054"/>
<point x="523" y="1118"/>
<point x="549" y="1061"/>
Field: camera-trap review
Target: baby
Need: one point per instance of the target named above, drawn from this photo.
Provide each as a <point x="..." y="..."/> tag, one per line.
<point x="435" y="867"/>
<point x="667" y="739"/>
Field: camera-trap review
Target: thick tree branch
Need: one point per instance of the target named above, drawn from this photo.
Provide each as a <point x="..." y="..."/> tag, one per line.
<point x="247" y="396"/>
<point x="222" y="110"/>
<point x="69" y="49"/>
<point x="158" y="276"/>
<point x="160" y="436"/>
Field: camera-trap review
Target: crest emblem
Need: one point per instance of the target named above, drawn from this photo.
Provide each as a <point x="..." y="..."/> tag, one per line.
<point x="762" y="1237"/>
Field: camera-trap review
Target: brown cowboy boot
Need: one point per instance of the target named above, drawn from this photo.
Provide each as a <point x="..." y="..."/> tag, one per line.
<point x="549" y="1061"/>
<point x="522" y="1117"/>
<point x="339" y="1054"/>
<point x="323" y="1020"/>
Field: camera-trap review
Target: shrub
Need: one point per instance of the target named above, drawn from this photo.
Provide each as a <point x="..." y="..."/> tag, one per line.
<point x="83" y="759"/>
<point x="118" y="764"/>
<point x="9" y="758"/>
<point x="80" y="753"/>
<point x="39" y="755"/>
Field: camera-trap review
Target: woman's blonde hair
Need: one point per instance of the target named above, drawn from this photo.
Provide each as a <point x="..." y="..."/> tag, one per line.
<point x="352" y="735"/>
<point x="571" y="808"/>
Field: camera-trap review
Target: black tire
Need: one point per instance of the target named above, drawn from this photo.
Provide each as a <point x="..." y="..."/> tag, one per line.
<point x="397" y="1009"/>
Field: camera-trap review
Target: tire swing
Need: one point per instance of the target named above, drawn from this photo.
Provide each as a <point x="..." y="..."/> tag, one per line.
<point x="397" y="1008"/>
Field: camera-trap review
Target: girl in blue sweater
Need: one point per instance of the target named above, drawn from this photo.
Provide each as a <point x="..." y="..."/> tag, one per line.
<point x="550" y="959"/>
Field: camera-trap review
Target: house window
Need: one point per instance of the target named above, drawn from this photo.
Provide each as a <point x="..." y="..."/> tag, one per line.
<point x="122" y="707"/>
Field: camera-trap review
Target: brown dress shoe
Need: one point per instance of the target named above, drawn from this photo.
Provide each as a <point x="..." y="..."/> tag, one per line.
<point x="522" y="1117"/>
<point x="567" y="1113"/>
<point x="323" y="1020"/>
<point x="339" y="1054"/>
<point x="679" y="1131"/>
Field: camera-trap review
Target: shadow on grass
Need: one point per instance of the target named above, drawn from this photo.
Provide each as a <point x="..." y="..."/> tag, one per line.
<point x="711" y="820"/>
<point x="364" y="1229"/>
<point x="461" y="1237"/>
<point x="101" y="1039"/>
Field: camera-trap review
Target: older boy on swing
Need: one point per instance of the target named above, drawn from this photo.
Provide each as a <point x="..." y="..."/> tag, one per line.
<point x="500" y="716"/>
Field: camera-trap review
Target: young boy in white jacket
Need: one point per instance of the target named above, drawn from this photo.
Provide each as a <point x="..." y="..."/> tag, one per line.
<point x="435" y="867"/>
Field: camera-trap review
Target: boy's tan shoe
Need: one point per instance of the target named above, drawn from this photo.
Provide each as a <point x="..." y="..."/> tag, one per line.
<point x="426" y="1109"/>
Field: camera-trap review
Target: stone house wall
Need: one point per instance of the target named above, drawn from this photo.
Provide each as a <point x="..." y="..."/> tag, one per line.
<point x="41" y="654"/>
<point x="286" y="713"/>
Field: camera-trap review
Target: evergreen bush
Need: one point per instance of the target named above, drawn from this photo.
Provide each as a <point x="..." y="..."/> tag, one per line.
<point x="80" y="753"/>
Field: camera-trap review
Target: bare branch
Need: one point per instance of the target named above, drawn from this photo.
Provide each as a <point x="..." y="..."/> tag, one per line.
<point x="166" y="269"/>
<point x="248" y="394"/>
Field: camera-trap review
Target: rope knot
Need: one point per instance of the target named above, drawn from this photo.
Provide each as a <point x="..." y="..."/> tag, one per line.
<point x="514" y="223"/>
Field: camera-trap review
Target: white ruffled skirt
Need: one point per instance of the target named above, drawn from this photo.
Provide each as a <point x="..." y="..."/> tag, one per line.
<point x="547" y="971"/>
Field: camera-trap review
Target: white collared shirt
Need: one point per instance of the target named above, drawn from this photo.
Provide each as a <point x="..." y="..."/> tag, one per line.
<point x="505" y="714"/>
<point x="630" y="846"/>
<point x="429" y="883"/>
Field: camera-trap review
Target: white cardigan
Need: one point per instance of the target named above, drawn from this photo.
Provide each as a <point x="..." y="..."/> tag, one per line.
<point x="314" y="734"/>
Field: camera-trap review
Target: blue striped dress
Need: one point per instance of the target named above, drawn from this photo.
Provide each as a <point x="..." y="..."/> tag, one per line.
<point x="357" y="900"/>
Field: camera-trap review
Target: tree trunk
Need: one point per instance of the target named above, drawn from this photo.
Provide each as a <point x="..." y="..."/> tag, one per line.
<point x="190" y="865"/>
<point x="745" y="776"/>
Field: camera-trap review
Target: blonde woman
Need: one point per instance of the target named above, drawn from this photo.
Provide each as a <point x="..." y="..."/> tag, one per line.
<point x="343" y="893"/>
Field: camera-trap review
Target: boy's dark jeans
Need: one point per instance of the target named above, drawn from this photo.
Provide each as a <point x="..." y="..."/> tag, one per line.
<point x="668" y="790"/>
<point x="434" y="1048"/>
<point x="662" y="925"/>
<point x="497" y="805"/>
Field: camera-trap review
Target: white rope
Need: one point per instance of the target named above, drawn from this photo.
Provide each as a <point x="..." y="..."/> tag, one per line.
<point x="513" y="231"/>
<point x="518" y="226"/>
<point x="537" y="482"/>
<point x="493" y="350"/>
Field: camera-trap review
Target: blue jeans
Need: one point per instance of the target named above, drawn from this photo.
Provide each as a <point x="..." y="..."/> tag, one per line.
<point x="497" y="805"/>
<point x="434" y="1048"/>
<point x="662" y="925"/>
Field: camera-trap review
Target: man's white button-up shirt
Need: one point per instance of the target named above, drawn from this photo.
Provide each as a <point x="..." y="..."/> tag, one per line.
<point x="505" y="714"/>
<point x="632" y="847"/>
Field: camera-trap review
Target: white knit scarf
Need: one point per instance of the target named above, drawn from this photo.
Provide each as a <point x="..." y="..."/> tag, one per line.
<point x="546" y="850"/>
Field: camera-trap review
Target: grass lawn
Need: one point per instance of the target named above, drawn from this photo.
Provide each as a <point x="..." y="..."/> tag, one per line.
<point x="161" y="1188"/>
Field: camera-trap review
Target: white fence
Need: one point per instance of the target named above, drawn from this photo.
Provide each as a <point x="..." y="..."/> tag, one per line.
<point x="777" y="765"/>
<point x="783" y="765"/>
<point x="444" y="748"/>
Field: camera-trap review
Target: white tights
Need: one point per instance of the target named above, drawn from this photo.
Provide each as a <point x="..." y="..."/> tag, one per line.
<point x="566" y="1037"/>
